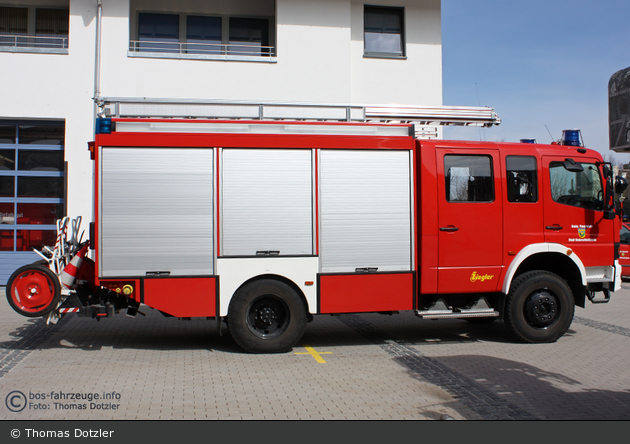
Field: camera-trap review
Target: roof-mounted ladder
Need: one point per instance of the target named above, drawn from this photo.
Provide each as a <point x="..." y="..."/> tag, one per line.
<point x="216" y="109"/>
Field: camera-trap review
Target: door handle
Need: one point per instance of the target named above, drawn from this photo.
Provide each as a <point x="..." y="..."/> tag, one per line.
<point x="449" y="229"/>
<point x="554" y="227"/>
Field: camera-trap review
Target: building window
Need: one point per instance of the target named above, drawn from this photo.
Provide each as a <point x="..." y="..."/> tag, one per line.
<point x="51" y="22"/>
<point x="32" y="183"/>
<point x="158" y="32"/>
<point x="202" y="36"/>
<point x="249" y="36"/>
<point x="13" y="21"/>
<point x="384" y="31"/>
<point x="33" y="29"/>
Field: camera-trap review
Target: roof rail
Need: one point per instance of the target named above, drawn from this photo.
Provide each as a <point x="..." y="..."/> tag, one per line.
<point x="218" y="109"/>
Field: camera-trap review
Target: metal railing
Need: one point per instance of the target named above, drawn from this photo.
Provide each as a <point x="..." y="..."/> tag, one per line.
<point x="33" y="41"/>
<point x="201" y="49"/>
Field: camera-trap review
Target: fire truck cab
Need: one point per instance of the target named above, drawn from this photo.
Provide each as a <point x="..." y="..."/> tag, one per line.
<point x="264" y="223"/>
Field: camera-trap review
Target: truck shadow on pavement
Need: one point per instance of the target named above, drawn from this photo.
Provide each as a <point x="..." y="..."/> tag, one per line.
<point x="155" y="332"/>
<point x="496" y="388"/>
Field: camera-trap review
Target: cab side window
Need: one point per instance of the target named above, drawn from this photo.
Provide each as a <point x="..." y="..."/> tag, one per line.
<point x="625" y="236"/>
<point x="468" y="178"/>
<point x="522" y="179"/>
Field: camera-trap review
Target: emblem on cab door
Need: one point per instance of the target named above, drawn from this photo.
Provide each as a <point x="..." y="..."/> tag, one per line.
<point x="475" y="277"/>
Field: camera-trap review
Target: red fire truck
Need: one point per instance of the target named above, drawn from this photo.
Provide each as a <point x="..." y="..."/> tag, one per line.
<point x="273" y="214"/>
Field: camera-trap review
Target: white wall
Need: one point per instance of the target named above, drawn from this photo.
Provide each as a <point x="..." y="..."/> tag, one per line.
<point x="417" y="80"/>
<point x="58" y="86"/>
<point x="319" y="59"/>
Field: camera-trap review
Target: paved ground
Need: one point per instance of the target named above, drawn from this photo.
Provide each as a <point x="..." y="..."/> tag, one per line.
<point x="347" y="367"/>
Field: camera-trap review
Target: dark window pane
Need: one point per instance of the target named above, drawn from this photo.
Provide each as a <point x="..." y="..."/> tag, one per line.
<point x="468" y="178"/>
<point x="32" y="160"/>
<point x="158" y="26"/>
<point x="522" y="179"/>
<point x="40" y="187"/>
<point x="203" y="35"/>
<point x="13" y="21"/>
<point x="51" y="22"/>
<point x="40" y="134"/>
<point x="7" y="160"/>
<point x="7" y="133"/>
<point x="6" y="240"/>
<point x="156" y="30"/>
<point x="39" y="213"/>
<point x="7" y="186"/>
<point x="203" y="28"/>
<point x="383" y="30"/>
<point x="248" y="36"/>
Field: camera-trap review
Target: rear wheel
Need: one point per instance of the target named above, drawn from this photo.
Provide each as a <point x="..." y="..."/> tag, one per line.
<point x="266" y="316"/>
<point x="33" y="290"/>
<point x="539" y="307"/>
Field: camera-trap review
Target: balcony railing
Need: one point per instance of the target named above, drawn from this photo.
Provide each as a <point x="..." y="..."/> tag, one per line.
<point x="33" y="43"/>
<point x="189" y="50"/>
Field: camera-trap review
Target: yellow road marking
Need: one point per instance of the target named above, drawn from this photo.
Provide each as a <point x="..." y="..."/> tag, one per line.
<point x="315" y="354"/>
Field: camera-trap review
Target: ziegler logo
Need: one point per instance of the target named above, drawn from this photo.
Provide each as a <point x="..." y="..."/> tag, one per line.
<point x="474" y="277"/>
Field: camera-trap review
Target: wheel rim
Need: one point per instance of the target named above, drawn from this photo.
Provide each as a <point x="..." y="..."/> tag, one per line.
<point x="268" y="316"/>
<point x="32" y="291"/>
<point x="541" y="309"/>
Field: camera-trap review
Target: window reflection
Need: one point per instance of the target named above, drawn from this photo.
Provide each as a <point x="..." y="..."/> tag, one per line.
<point x="40" y="187"/>
<point x="31" y="160"/>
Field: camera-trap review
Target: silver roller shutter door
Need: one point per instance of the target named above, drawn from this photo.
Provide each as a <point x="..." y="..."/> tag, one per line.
<point x="266" y="200"/>
<point x="365" y="210"/>
<point x="156" y="211"/>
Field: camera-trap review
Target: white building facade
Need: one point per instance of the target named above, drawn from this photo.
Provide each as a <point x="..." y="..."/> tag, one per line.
<point x="53" y="65"/>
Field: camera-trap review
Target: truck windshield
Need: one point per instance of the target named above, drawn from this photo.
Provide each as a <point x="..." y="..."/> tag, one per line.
<point x="578" y="189"/>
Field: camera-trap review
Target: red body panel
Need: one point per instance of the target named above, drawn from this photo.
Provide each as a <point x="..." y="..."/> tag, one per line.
<point x="366" y="292"/>
<point x="469" y="259"/>
<point x="427" y="217"/>
<point x="182" y="297"/>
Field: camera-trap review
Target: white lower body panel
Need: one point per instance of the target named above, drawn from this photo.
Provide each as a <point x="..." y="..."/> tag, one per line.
<point x="233" y="272"/>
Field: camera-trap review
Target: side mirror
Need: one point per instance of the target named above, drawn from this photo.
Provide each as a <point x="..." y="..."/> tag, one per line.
<point x="621" y="185"/>
<point x="572" y="166"/>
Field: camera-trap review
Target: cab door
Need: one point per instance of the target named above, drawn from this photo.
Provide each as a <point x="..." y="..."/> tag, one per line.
<point x="574" y="210"/>
<point x="470" y="221"/>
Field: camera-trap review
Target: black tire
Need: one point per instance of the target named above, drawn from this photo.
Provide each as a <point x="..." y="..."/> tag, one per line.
<point x="266" y="316"/>
<point x="539" y="307"/>
<point x="33" y="290"/>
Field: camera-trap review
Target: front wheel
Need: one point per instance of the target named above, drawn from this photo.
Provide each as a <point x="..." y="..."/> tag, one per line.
<point x="266" y="316"/>
<point x="539" y="307"/>
<point x="33" y="290"/>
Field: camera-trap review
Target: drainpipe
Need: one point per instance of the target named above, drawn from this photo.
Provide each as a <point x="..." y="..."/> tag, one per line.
<point x="97" y="58"/>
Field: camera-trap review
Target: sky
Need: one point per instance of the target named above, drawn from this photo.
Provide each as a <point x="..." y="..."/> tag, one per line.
<point x="537" y="63"/>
